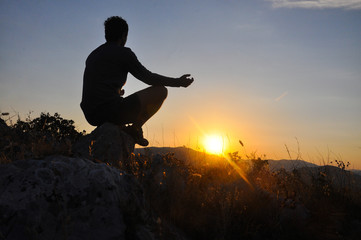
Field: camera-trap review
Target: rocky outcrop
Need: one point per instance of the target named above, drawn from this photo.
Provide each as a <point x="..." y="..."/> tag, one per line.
<point x="107" y="143"/>
<point x="70" y="198"/>
<point x="82" y="196"/>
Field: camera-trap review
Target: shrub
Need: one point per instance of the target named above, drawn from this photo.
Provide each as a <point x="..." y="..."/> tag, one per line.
<point x="37" y="138"/>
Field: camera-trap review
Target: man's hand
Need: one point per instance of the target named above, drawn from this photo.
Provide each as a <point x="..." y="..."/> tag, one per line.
<point x="121" y="92"/>
<point x="185" y="80"/>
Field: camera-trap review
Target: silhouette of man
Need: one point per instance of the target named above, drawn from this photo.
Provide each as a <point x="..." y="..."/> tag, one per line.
<point x="105" y="75"/>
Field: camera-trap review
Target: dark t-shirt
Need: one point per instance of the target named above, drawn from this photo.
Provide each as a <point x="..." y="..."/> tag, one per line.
<point x="106" y="73"/>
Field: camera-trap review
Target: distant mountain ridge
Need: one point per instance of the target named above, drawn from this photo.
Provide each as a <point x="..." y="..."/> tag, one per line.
<point x="189" y="154"/>
<point x="356" y="171"/>
<point x="288" y="165"/>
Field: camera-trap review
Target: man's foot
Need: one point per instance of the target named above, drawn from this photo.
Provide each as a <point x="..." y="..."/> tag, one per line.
<point x="137" y="135"/>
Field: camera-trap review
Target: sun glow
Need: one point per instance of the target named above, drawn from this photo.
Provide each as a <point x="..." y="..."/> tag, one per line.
<point x="214" y="144"/>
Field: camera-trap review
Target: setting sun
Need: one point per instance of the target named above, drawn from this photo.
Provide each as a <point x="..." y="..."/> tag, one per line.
<point x="214" y="144"/>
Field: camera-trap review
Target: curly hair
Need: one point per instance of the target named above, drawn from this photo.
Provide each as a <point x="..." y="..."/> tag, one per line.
<point x="114" y="28"/>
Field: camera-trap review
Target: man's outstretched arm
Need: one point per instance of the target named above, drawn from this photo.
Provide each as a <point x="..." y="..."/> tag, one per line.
<point x="154" y="79"/>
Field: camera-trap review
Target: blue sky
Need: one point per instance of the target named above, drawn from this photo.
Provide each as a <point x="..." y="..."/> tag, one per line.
<point x="266" y="71"/>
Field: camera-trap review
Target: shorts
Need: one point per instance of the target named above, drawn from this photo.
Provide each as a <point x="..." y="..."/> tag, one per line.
<point x="121" y="111"/>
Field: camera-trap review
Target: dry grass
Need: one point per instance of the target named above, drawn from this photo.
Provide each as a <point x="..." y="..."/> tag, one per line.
<point x="212" y="201"/>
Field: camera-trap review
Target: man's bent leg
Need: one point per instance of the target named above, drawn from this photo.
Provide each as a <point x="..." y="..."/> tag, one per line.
<point x="151" y="100"/>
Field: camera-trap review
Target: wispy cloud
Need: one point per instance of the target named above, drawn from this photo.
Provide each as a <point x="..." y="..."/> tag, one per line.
<point x="282" y="96"/>
<point x="317" y="4"/>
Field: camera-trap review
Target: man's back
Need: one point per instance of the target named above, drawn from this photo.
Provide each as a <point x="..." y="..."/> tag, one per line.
<point x="105" y="73"/>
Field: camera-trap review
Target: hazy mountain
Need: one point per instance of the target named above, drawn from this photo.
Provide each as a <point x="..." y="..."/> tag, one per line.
<point x="356" y="171"/>
<point x="288" y="165"/>
<point x="179" y="152"/>
<point x="182" y="153"/>
<point x="190" y="155"/>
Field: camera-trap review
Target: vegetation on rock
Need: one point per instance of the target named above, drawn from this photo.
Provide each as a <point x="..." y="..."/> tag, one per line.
<point x="231" y="199"/>
<point x="36" y="138"/>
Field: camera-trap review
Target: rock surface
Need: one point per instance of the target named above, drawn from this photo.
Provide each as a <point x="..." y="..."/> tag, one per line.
<point x="70" y="198"/>
<point x="107" y="143"/>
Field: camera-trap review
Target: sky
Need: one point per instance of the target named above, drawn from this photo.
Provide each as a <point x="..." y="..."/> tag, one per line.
<point x="282" y="76"/>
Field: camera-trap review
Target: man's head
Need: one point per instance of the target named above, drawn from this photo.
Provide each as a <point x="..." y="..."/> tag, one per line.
<point x="116" y="29"/>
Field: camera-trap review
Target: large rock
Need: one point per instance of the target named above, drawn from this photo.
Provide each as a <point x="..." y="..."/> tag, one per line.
<point x="107" y="143"/>
<point x="70" y="198"/>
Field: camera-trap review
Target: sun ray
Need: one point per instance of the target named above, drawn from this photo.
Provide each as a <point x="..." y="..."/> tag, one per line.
<point x="239" y="170"/>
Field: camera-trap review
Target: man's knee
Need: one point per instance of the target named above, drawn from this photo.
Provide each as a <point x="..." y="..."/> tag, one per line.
<point x="162" y="91"/>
